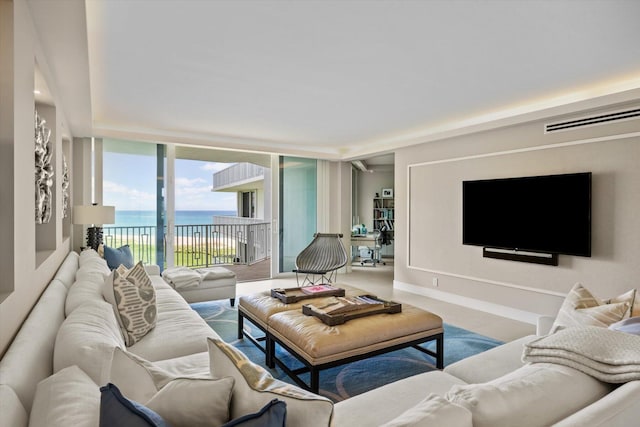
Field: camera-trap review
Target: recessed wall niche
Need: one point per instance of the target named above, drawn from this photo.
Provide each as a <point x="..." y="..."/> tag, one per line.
<point x="45" y="152"/>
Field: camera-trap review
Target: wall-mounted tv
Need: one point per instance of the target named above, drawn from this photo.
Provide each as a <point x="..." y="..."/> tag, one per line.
<point x="547" y="214"/>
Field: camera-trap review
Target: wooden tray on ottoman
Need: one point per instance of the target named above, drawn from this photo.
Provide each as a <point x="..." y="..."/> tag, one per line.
<point x="291" y="295"/>
<point x="372" y="305"/>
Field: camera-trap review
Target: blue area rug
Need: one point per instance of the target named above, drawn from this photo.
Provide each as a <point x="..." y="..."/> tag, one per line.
<point x="345" y="381"/>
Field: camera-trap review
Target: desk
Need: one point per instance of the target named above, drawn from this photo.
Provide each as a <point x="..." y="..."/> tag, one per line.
<point x="363" y="240"/>
<point x="357" y="240"/>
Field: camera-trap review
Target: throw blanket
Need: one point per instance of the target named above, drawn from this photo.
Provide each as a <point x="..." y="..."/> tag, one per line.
<point x="213" y="273"/>
<point x="182" y="277"/>
<point x="609" y="356"/>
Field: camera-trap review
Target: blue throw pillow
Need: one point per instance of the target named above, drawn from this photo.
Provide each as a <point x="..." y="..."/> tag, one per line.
<point x="118" y="411"/>
<point x="630" y="326"/>
<point x="274" y="414"/>
<point x="115" y="257"/>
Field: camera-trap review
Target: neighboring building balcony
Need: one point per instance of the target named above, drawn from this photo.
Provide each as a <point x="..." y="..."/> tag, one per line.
<point x="237" y="177"/>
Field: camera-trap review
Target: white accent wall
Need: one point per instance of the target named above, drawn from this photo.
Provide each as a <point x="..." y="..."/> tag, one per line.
<point x="428" y="190"/>
<point x="30" y="258"/>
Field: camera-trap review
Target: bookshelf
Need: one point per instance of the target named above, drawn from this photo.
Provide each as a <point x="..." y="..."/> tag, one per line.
<point x="383" y="214"/>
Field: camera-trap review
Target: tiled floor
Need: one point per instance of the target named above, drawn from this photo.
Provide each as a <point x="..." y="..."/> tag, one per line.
<point x="379" y="281"/>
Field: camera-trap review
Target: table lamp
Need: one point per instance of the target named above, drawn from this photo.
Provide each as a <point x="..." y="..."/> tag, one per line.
<point x="95" y="216"/>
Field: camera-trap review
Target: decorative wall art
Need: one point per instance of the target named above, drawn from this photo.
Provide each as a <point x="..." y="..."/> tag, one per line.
<point x="65" y="188"/>
<point x="44" y="171"/>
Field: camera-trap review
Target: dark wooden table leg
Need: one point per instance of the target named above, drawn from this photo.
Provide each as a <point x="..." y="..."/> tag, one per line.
<point x="440" y="351"/>
<point x="240" y="325"/>
<point x="314" y="374"/>
<point x="269" y="350"/>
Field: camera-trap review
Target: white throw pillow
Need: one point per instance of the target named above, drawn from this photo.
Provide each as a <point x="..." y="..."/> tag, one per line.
<point x="582" y="308"/>
<point x="535" y="395"/>
<point x="67" y="398"/>
<point x="133" y="297"/>
<point x="433" y="411"/>
<point x="255" y="387"/>
<point x="188" y="402"/>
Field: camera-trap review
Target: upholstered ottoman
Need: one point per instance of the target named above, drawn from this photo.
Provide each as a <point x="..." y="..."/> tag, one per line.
<point x="319" y="346"/>
<point x="202" y="284"/>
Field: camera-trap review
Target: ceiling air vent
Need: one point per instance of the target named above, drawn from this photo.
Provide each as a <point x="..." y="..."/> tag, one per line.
<point x="599" y="119"/>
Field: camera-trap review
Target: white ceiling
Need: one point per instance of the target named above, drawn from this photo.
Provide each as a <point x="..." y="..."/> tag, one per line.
<point x="330" y="79"/>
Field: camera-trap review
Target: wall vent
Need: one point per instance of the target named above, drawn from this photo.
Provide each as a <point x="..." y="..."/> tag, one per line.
<point x="599" y="119"/>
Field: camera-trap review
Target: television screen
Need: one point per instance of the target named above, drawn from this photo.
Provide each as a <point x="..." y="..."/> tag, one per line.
<point x="548" y="214"/>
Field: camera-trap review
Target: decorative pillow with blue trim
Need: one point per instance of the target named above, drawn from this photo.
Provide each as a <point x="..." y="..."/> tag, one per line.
<point x="121" y="255"/>
<point x="118" y="411"/>
<point x="273" y="414"/>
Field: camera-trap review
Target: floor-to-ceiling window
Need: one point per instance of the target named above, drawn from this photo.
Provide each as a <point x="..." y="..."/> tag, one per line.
<point x="170" y="214"/>
<point x="298" y="208"/>
<point x="129" y="184"/>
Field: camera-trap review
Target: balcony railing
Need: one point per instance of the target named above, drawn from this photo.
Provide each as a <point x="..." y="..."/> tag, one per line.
<point x="200" y="245"/>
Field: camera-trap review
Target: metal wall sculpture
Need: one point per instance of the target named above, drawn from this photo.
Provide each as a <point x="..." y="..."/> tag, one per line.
<point x="44" y="171"/>
<point x="65" y="188"/>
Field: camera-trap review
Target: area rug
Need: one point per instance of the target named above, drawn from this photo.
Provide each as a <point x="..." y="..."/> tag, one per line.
<point x="348" y="380"/>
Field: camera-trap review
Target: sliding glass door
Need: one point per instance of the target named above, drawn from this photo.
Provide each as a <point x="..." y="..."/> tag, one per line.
<point x="298" y="208"/>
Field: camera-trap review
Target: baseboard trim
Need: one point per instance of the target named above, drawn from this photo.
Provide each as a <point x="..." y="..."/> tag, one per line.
<point x="487" y="307"/>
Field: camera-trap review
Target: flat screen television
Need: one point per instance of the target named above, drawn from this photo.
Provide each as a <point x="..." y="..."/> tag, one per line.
<point x="546" y="214"/>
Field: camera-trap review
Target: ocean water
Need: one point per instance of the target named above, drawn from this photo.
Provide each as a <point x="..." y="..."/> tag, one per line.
<point x="141" y="218"/>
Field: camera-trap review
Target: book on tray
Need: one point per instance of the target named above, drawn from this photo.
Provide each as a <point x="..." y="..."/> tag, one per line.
<point x="315" y="289"/>
<point x="341" y="305"/>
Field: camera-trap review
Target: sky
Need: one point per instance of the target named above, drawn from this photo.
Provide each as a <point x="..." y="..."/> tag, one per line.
<point x="129" y="184"/>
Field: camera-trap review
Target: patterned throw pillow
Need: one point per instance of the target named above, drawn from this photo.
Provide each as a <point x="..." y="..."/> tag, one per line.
<point x="134" y="300"/>
<point x="581" y="308"/>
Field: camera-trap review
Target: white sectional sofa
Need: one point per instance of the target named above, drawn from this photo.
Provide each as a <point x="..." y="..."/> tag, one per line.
<point x="69" y="340"/>
<point x="71" y="344"/>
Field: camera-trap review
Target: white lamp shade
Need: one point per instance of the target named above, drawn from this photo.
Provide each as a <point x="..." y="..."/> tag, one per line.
<point x="94" y="214"/>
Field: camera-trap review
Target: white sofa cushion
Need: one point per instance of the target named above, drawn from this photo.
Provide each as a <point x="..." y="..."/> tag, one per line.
<point x="92" y="266"/>
<point x="67" y="398"/>
<point x="432" y="411"/>
<point x="82" y="291"/>
<point x="29" y="359"/>
<point x="179" y="330"/>
<point x="67" y="271"/>
<point x="618" y="408"/>
<point x="87" y="338"/>
<point x="490" y="364"/>
<point x="582" y="308"/>
<point x="181" y="401"/>
<point x="12" y="413"/>
<point x="540" y="394"/>
<point x="254" y="388"/>
<point x="395" y="398"/>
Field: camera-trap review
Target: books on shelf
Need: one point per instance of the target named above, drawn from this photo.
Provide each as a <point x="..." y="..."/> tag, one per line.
<point x="315" y="289"/>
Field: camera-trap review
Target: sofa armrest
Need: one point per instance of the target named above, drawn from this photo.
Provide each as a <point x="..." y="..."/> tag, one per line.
<point x="152" y="270"/>
<point x="544" y="324"/>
